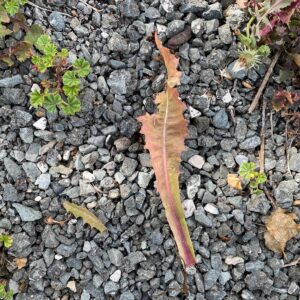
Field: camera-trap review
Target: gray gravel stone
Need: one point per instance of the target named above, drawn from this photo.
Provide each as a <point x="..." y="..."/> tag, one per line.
<point x="115" y="257"/>
<point x="210" y="278"/>
<point x="119" y="82"/>
<point x="10" y="82"/>
<point x="250" y="143"/>
<point x="144" y="179"/>
<point x="136" y="258"/>
<point x="235" y="72"/>
<point x="127" y="296"/>
<point x="192" y="185"/>
<point x="198" y="27"/>
<point x="13" y="96"/>
<point x="258" y="280"/>
<point x="27" y="214"/>
<point x="31" y="170"/>
<point x="193" y="6"/>
<point x="211" y="26"/>
<point x="130" y="9"/>
<point x="43" y="181"/>
<point x="21" y="245"/>
<point x="202" y="218"/>
<point x="220" y="119"/>
<point x="128" y="167"/>
<point x="10" y="194"/>
<point x="259" y="204"/>
<point x="175" y="27"/>
<point x="284" y="192"/>
<point x="12" y="168"/>
<point x="23" y="118"/>
<point x="214" y="11"/>
<point x="117" y="43"/>
<point x="49" y="237"/>
<point x="225" y="34"/>
<point x="57" y="21"/>
<point x="33" y="152"/>
<point x="26" y="135"/>
<point x="295" y="162"/>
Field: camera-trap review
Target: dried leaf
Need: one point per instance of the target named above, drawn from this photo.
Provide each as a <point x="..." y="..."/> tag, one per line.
<point x="247" y="85"/>
<point x="51" y="221"/>
<point x="20" y="262"/>
<point x="281" y="227"/>
<point x="296" y="202"/>
<point x="165" y="132"/>
<point x="242" y="3"/>
<point x="86" y="215"/>
<point x="171" y="62"/>
<point x="296" y="58"/>
<point x="234" y="181"/>
<point x="282" y="99"/>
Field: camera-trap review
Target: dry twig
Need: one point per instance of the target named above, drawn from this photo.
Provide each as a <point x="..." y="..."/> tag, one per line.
<point x="262" y="138"/>
<point x="292" y="263"/>
<point x="264" y="82"/>
<point x="46" y="9"/>
<point x="270" y="197"/>
<point x="89" y="5"/>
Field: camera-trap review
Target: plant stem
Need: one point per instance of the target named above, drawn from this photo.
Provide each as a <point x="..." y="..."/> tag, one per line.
<point x="249" y="26"/>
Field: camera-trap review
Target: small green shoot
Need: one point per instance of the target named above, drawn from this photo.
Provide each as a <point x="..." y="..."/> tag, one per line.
<point x="63" y="87"/>
<point x="6" y="240"/>
<point x="250" y="54"/>
<point x="248" y="172"/>
<point x="12" y="21"/>
<point x="5" y="295"/>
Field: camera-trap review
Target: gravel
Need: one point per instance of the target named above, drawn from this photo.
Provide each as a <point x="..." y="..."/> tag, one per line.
<point x="97" y="159"/>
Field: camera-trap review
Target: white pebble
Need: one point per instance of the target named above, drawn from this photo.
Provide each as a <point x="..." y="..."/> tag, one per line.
<point x="188" y="208"/>
<point x="35" y="87"/>
<point x="72" y="286"/>
<point x="58" y="257"/>
<point x="87" y="246"/>
<point x="40" y="123"/>
<point x="42" y="166"/>
<point x="196" y="161"/>
<point x="233" y="260"/>
<point x="194" y="113"/>
<point x="115" y="276"/>
<point x="227" y="97"/>
<point x="88" y="177"/>
<point x="38" y="198"/>
<point x="212" y="209"/>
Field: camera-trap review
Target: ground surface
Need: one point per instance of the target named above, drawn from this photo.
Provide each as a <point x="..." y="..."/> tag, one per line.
<point x="97" y="158"/>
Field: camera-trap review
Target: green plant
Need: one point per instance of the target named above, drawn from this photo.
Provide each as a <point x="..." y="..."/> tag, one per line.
<point x="6" y="240"/>
<point x="248" y="172"/>
<point x="11" y="21"/>
<point x="63" y="86"/>
<point x="251" y="54"/>
<point x="5" y="295"/>
<point x="12" y="6"/>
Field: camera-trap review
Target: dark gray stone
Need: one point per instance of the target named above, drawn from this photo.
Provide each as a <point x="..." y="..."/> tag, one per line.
<point x="57" y="21"/>
<point x="220" y="119"/>
<point x="10" y="82"/>
<point x="27" y="214"/>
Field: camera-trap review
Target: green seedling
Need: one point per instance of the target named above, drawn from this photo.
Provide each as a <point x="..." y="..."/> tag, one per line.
<point x="63" y="87"/>
<point x="6" y="240"/>
<point x="5" y="295"/>
<point x="250" y="54"/>
<point x="248" y="172"/>
<point x="11" y="21"/>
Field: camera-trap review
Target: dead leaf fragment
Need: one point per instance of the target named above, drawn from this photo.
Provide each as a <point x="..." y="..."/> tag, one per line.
<point x="281" y="227"/>
<point x="51" y="221"/>
<point x="242" y="3"/>
<point x="296" y="58"/>
<point x="296" y="202"/>
<point x="247" y="85"/>
<point x="234" y="181"/>
<point x="20" y="262"/>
